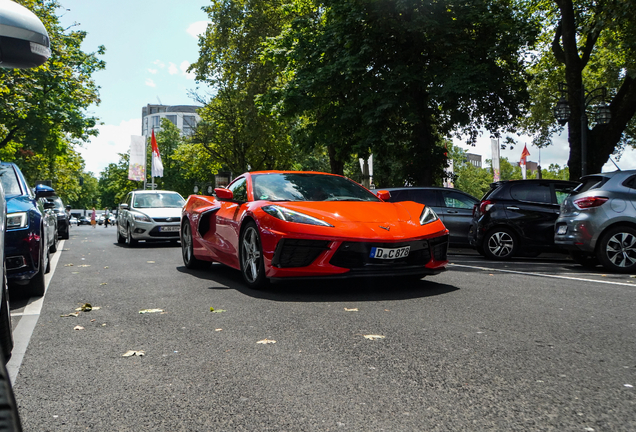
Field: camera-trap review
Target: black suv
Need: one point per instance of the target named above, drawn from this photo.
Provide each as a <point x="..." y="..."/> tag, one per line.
<point x="518" y="217"/>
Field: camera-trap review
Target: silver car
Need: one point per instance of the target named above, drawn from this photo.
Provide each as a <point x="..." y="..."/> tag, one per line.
<point x="149" y="215"/>
<point x="597" y="222"/>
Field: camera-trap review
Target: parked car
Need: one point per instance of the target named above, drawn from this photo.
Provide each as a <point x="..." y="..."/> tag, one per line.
<point x="454" y="207"/>
<point x="84" y="220"/>
<point x="6" y="332"/>
<point x="597" y="223"/>
<point x="63" y="222"/>
<point x="517" y="217"/>
<point x="31" y="230"/>
<point x="283" y="224"/>
<point x="74" y="221"/>
<point x="149" y="215"/>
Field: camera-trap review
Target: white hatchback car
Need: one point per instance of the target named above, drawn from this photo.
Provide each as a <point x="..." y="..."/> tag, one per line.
<point x="151" y="215"/>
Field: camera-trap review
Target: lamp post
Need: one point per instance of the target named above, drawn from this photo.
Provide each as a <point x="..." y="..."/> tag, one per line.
<point x="562" y="113"/>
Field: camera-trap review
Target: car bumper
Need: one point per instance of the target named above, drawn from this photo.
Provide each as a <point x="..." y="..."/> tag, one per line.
<point x="578" y="234"/>
<point x="155" y="231"/>
<point x="22" y="253"/>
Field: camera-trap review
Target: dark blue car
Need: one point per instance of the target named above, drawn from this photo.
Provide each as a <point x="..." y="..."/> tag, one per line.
<point x="31" y="230"/>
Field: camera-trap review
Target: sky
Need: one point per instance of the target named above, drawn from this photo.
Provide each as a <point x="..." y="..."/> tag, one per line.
<point x="150" y="44"/>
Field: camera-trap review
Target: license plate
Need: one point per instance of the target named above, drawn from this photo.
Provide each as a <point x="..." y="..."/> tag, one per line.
<point x="562" y="229"/>
<point x="390" y="253"/>
<point x="169" y="228"/>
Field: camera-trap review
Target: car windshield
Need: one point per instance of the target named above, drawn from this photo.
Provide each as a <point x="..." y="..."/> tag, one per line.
<point x="308" y="187"/>
<point x="9" y="181"/>
<point x="158" y="200"/>
<point x="59" y="205"/>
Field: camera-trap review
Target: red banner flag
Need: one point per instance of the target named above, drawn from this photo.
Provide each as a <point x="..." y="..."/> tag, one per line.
<point x="157" y="166"/>
<point x="524" y="154"/>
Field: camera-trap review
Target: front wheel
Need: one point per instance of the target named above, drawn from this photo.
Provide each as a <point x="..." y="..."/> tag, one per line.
<point x="617" y="250"/>
<point x="120" y="238"/>
<point x="130" y="241"/>
<point x="187" y="248"/>
<point x="500" y="244"/>
<point x="251" y="257"/>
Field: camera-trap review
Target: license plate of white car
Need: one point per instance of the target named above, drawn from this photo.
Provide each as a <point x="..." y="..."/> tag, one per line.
<point x="562" y="229"/>
<point x="169" y="228"/>
<point x="390" y="253"/>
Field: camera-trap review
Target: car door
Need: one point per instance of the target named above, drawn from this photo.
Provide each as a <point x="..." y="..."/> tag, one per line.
<point x="457" y="214"/>
<point x="533" y="212"/>
<point x="227" y="219"/>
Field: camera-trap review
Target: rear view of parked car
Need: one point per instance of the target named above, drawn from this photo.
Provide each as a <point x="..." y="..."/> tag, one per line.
<point x="517" y="217"/>
<point x="31" y="230"/>
<point x="598" y="221"/>
<point x="63" y="222"/>
<point x="454" y="207"/>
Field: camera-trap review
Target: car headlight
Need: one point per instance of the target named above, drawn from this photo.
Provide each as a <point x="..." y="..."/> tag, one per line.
<point x="17" y="220"/>
<point x="428" y="216"/>
<point x="288" y="215"/>
<point x="141" y="217"/>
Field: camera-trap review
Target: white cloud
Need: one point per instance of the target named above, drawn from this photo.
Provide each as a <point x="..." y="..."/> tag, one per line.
<point x="152" y="71"/>
<point x="104" y="148"/>
<point x="184" y="68"/>
<point x="159" y="63"/>
<point x="172" y="69"/>
<point x="150" y="83"/>
<point x="197" y="28"/>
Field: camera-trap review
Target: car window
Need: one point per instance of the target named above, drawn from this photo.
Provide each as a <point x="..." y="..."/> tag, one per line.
<point x="159" y="200"/>
<point x="398" y="195"/>
<point x="239" y="189"/>
<point x="531" y="192"/>
<point x="427" y="197"/>
<point x="457" y="200"/>
<point x="590" y="182"/>
<point x="562" y="192"/>
<point x="9" y="180"/>
<point x="630" y="182"/>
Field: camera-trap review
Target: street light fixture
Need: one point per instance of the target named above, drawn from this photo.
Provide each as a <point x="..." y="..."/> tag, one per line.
<point x="562" y="113"/>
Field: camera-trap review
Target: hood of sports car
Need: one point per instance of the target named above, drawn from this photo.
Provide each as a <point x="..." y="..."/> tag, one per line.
<point x="353" y="211"/>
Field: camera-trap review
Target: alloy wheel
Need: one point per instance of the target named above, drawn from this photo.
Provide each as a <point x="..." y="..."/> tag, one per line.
<point x="621" y="250"/>
<point x="251" y="254"/>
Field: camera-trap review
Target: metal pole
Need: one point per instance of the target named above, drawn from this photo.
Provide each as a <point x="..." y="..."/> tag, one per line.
<point x="583" y="134"/>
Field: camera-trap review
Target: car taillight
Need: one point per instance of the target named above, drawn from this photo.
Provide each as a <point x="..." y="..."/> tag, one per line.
<point x="589" y="202"/>
<point x="485" y="205"/>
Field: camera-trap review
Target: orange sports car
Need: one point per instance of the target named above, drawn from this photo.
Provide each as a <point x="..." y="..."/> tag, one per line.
<point x="291" y="224"/>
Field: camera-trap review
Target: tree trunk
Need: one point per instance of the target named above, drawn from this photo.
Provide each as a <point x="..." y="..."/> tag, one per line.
<point x="337" y="166"/>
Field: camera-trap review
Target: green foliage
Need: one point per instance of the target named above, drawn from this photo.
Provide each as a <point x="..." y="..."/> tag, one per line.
<point x="114" y="183"/>
<point x="468" y="177"/>
<point x="393" y="78"/>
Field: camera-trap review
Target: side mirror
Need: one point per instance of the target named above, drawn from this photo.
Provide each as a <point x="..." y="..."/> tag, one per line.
<point x="42" y="191"/>
<point x="383" y="195"/>
<point x="223" y="194"/>
<point x="24" y="42"/>
<point x="123" y="206"/>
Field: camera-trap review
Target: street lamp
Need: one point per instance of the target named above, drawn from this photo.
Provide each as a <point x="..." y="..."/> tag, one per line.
<point x="562" y="113"/>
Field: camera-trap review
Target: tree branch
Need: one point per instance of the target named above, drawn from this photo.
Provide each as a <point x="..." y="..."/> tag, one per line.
<point x="557" y="49"/>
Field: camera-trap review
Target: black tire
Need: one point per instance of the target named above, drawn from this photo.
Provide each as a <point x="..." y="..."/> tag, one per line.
<point x="67" y="234"/>
<point x="187" y="248"/>
<point x="616" y="250"/>
<point x="56" y="241"/>
<point x="251" y="257"/>
<point x="120" y="238"/>
<point x="6" y="334"/>
<point x="586" y="260"/>
<point x="37" y="284"/>
<point x="130" y="241"/>
<point x="500" y="244"/>
<point x="47" y="267"/>
<point x="9" y="416"/>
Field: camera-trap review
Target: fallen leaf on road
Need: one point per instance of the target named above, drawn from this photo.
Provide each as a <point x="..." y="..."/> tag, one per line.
<point x="68" y="265"/>
<point x="373" y="337"/>
<point x="217" y="310"/>
<point x="266" y="341"/>
<point x="103" y="283"/>
<point x="150" y="262"/>
<point x="72" y="314"/>
<point x="75" y="272"/>
<point x="628" y="385"/>
<point x="145" y="311"/>
<point x="78" y="328"/>
<point x="351" y="310"/>
<point x="87" y="307"/>
<point x="218" y="329"/>
<point x="106" y="267"/>
<point x="84" y="265"/>
<point x="132" y="353"/>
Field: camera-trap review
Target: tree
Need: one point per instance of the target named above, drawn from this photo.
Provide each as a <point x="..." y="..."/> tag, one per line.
<point x="233" y="130"/>
<point x="114" y="183"/>
<point x="588" y="44"/>
<point x="395" y="78"/>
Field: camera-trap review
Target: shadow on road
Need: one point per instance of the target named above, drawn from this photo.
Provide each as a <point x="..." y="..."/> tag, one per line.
<point x="359" y="289"/>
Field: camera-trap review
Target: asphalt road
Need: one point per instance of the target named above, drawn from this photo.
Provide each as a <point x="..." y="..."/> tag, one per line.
<point x="530" y="345"/>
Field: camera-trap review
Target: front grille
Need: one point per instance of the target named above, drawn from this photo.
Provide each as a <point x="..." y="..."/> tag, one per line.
<point x="354" y="255"/>
<point x="166" y="219"/>
<point x="298" y="253"/>
<point x="439" y="246"/>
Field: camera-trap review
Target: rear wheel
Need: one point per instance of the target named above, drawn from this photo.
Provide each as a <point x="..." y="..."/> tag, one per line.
<point x="187" y="248"/>
<point x="251" y="257"/>
<point x="36" y="285"/>
<point x="6" y="337"/>
<point x="617" y="250"/>
<point x="500" y="244"/>
<point x="56" y="240"/>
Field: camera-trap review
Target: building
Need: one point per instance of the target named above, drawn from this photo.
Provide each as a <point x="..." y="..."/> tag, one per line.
<point x="474" y="159"/>
<point x="184" y="117"/>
